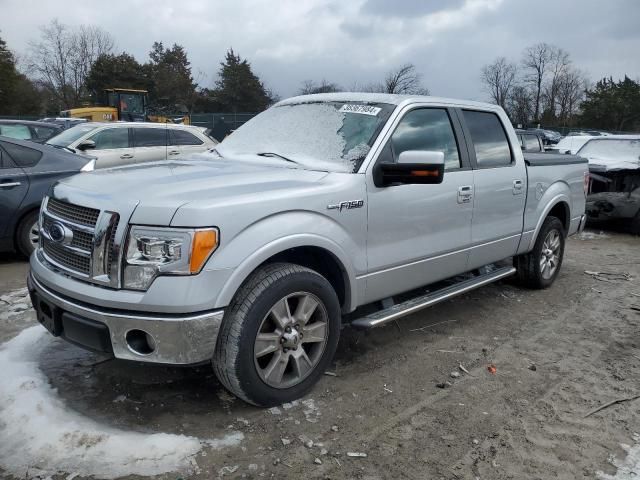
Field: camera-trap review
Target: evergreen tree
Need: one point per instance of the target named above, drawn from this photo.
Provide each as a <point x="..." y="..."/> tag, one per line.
<point x="612" y="105"/>
<point x="238" y="89"/>
<point x="173" y="88"/>
<point x="116" y="71"/>
<point x="18" y="95"/>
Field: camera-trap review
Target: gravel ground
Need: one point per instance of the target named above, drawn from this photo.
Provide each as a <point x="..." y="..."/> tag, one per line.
<point x="558" y="354"/>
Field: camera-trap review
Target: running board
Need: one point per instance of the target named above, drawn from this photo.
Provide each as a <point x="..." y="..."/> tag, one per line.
<point x="418" y="303"/>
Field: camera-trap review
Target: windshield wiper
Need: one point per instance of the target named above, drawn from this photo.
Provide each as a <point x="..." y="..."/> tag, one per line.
<point x="272" y="154"/>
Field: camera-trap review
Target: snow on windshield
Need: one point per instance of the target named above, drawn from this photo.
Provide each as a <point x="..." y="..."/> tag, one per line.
<point x="613" y="154"/>
<point x="332" y="136"/>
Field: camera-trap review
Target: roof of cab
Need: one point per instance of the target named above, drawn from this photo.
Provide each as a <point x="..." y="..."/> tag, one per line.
<point x="392" y="99"/>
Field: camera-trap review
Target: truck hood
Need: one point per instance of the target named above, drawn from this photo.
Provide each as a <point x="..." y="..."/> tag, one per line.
<point x="159" y="189"/>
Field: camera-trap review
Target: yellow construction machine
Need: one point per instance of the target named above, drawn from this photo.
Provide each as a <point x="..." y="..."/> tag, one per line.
<point x="122" y="104"/>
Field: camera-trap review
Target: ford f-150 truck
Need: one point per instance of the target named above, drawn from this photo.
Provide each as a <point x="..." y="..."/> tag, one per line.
<point x="322" y="210"/>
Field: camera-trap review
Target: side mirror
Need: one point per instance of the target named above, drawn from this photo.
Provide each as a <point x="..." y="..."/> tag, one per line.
<point x="412" y="167"/>
<point x="86" y="145"/>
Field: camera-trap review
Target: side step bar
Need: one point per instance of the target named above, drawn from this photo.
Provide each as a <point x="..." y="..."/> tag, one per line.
<point x="418" y="303"/>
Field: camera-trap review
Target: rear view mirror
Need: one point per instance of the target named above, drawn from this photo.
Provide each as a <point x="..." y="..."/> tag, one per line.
<point x="86" y="145"/>
<point x="412" y="167"/>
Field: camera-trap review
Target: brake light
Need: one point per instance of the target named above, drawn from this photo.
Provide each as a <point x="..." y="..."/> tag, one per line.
<point x="587" y="180"/>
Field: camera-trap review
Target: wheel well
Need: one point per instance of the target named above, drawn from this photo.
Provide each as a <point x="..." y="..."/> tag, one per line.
<point x="323" y="262"/>
<point x="561" y="211"/>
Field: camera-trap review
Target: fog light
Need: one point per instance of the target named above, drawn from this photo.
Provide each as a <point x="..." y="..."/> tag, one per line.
<point x="140" y="342"/>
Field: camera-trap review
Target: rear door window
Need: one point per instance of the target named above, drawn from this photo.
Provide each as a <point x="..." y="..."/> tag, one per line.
<point x="22" y="156"/>
<point x="43" y="133"/>
<point x="531" y="143"/>
<point x="110" y="138"/>
<point x="21" y="132"/>
<point x="182" y="137"/>
<point x="489" y="139"/>
<point x="150" y="137"/>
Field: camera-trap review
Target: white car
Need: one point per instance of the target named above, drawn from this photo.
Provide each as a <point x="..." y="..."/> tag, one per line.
<point x="123" y="143"/>
<point x="571" y="144"/>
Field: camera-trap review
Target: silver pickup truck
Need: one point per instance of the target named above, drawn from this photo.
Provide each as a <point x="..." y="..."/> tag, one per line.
<point x="322" y="210"/>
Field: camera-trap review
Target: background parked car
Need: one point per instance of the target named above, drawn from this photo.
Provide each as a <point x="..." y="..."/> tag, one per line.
<point x="571" y="144"/>
<point x="124" y="143"/>
<point x="27" y="172"/>
<point x="64" y="122"/>
<point x="530" y="141"/>
<point x="614" y="167"/>
<point x="549" y="137"/>
<point x="28" y="130"/>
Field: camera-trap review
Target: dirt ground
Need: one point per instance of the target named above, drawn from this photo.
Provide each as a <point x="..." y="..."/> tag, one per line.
<point x="558" y="354"/>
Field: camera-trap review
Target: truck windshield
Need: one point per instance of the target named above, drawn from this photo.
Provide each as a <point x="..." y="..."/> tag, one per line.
<point x="329" y="136"/>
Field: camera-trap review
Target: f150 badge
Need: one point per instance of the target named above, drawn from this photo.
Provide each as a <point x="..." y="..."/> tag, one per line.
<point x="348" y="205"/>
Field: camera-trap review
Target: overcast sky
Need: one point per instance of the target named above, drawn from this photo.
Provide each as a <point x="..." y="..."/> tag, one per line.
<point x="349" y="41"/>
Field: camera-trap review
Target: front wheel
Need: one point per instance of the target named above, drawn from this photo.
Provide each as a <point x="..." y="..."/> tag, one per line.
<point x="278" y="335"/>
<point x="540" y="267"/>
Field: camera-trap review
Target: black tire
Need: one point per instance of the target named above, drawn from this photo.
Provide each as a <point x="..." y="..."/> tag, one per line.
<point x="529" y="271"/>
<point x="23" y="241"/>
<point x="635" y="224"/>
<point x="234" y="359"/>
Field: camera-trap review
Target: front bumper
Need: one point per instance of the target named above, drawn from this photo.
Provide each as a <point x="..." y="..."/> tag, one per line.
<point x="178" y="339"/>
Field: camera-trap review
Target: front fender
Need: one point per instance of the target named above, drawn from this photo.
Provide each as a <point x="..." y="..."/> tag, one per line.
<point x="275" y="234"/>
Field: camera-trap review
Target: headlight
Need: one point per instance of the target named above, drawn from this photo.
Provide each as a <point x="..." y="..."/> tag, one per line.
<point x="89" y="166"/>
<point x="166" y="251"/>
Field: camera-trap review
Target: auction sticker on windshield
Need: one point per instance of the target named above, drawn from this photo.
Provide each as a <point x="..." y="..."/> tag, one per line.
<point x="362" y="109"/>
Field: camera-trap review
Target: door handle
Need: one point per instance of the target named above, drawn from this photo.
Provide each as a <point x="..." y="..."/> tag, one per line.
<point x="126" y="155"/>
<point x="517" y="187"/>
<point x="465" y="194"/>
<point x="10" y="184"/>
<point x="174" y="152"/>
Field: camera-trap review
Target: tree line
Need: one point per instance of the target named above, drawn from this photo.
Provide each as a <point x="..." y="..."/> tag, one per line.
<point x="545" y="87"/>
<point x="67" y="67"/>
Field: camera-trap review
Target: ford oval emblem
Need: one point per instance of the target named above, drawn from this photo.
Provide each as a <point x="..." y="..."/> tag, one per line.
<point x="59" y="233"/>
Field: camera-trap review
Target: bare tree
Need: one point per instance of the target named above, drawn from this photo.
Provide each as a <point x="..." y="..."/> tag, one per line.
<point x="62" y="58"/>
<point x="571" y="91"/>
<point x="559" y="64"/>
<point x="498" y="78"/>
<point x="520" y="105"/>
<point x="405" y="80"/>
<point x="309" y="87"/>
<point x="536" y="60"/>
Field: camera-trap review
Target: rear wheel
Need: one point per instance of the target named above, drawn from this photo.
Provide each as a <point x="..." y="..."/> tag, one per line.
<point x="540" y="267"/>
<point x="278" y="335"/>
<point x="28" y="234"/>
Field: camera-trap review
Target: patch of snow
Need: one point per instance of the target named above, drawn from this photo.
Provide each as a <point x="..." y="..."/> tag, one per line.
<point x="586" y="235"/>
<point x="40" y="432"/>
<point x="629" y="468"/>
<point x="311" y="411"/>
<point x="609" y="153"/>
<point x="316" y="135"/>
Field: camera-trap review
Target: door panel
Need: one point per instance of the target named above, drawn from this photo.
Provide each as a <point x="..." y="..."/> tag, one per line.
<point x="182" y="144"/>
<point x="418" y="234"/>
<point x="150" y="143"/>
<point x="499" y="186"/>
<point x="113" y="147"/>
<point x="14" y="185"/>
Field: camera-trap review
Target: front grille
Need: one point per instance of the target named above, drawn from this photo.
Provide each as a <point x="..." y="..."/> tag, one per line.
<point x="94" y="233"/>
<point x="66" y="258"/>
<point x="82" y="240"/>
<point x="74" y="213"/>
<point x="111" y="247"/>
